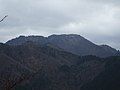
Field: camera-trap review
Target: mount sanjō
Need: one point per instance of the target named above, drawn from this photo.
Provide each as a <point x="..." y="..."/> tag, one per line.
<point x="73" y="43"/>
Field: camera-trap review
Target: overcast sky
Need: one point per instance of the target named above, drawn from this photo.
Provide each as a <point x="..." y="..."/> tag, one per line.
<point x="96" y="20"/>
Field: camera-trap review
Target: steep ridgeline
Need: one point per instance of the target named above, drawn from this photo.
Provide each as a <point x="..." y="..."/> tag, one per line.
<point x="73" y="43"/>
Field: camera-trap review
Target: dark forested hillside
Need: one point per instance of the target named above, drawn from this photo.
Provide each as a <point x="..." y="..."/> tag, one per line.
<point x="31" y="66"/>
<point x="109" y="79"/>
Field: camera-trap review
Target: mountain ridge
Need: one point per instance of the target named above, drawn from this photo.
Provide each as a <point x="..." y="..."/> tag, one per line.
<point x="73" y="43"/>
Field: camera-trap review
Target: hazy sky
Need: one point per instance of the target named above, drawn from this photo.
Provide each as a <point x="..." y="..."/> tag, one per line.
<point x="97" y="20"/>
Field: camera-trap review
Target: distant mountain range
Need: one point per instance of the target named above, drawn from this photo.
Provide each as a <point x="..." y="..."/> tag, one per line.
<point x="44" y="63"/>
<point x="73" y="43"/>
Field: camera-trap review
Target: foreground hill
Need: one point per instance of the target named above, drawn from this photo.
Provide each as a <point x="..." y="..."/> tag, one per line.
<point x="108" y="79"/>
<point x="73" y="43"/>
<point x="19" y="60"/>
<point x="11" y="71"/>
<point x="31" y="66"/>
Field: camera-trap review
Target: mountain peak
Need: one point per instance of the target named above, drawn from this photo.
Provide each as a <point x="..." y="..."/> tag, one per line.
<point x="72" y="43"/>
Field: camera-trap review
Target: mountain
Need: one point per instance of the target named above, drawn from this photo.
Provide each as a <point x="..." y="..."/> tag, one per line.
<point x="73" y="43"/>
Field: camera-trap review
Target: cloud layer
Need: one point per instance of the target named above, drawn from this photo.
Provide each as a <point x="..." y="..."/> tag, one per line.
<point x="97" y="20"/>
